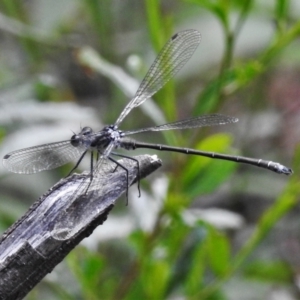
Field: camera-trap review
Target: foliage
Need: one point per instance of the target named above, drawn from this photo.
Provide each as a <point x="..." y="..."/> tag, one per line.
<point x="178" y="256"/>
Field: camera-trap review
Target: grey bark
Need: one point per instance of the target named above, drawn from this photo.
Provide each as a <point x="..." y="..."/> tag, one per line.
<point x="57" y="222"/>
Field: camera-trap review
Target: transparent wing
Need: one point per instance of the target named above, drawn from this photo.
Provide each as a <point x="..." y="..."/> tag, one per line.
<point x="201" y="121"/>
<point x="42" y="157"/>
<point x="169" y="61"/>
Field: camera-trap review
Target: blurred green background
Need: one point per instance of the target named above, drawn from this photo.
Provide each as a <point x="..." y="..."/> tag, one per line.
<point x="202" y="229"/>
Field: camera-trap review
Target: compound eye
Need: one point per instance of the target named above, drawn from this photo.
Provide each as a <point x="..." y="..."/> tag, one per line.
<point x="75" y="140"/>
<point x="86" y="130"/>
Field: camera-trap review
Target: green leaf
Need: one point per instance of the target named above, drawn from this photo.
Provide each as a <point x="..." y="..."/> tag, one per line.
<point x="138" y="240"/>
<point x="274" y="271"/>
<point x="215" y="143"/>
<point x="197" y="266"/>
<point x="182" y="256"/>
<point x="87" y="268"/>
<point x="218" y="251"/>
<point x="174" y="236"/>
<point x="155" y="278"/>
<point x="202" y="174"/>
<point x="245" y="73"/>
<point x="214" y="176"/>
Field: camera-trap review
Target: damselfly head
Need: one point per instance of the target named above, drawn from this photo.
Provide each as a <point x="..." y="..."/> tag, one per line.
<point x="82" y="137"/>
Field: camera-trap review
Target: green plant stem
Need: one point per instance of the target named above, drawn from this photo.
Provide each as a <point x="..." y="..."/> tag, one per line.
<point x="235" y="79"/>
<point x="230" y="38"/>
<point x="287" y="201"/>
<point x="101" y="17"/>
<point x="280" y="42"/>
<point x="155" y="23"/>
<point x="281" y="15"/>
<point x="225" y="65"/>
<point x="129" y="278"/>
<point x="160" y="28"/>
